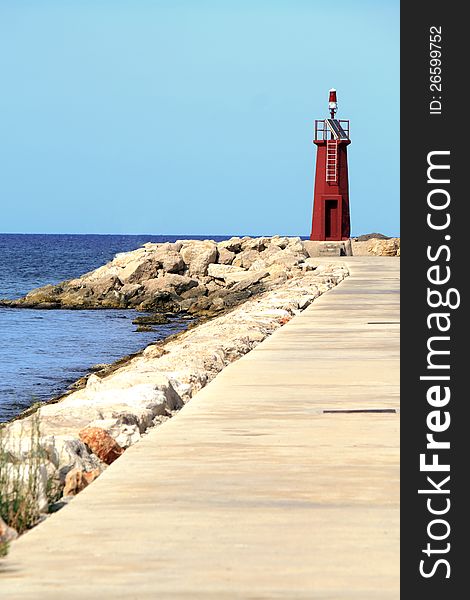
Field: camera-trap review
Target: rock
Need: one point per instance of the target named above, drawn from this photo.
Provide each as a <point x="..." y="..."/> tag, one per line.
<point x="277" y="276"/>
<point x="197" y="307"/>
<point x="271" y="250"/>
<point x="258" y="265"/>
<point x="221" y="271"/>
<point x="306" y="300"/>
<point x="170" y="259"/>
<point x="94" y="383"/>
<point x="159" y="300"/>
<point x="198" y="255"/>
<point x="77" y="479"/>
<point x="296" y="246"/>
<point x="170" y="283"/>
<point x="225" y="256"/>
<point x="154" y="319"/>
<point x="101" y="444"/>
<point x="258" y="244"/>
<point x="100" y="367"/>
<point x="284" y="258"/>
<point x="216" y="302"/>
<point x="312" y="263"/>
<point x="250" y="278"/>
<point x="56" y="506"/>
<point x="369" y="236"/>
<point x="104" y="287"/>
<point x="280" y="242"/>
<point x="174" y="246"/>
<point x="379" y="247"/>
<point x="236" y="297"/>
<point x="156" y="276"/>
<point x="73" y="453"/>
<point x="195" y="292"/>
<point x="124" y="429"/>
<point x="234" y="245"/>
<point x="144" y="328"/>
<point x="246" y="258"/>
<point x="7" y="534"/>
<point x="139" y="271"/>
<point x="130" y="290"/>
<point x="145" y="395"/>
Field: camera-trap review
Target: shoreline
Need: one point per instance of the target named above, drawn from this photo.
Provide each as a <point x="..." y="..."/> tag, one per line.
<point x="145" y="390"/>
<point x="265" y="436"/>
<point x="106" y="370"/>
<point x="252" y="287"/>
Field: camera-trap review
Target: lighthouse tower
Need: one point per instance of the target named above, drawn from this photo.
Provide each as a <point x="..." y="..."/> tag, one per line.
<point x="331" y="194"/>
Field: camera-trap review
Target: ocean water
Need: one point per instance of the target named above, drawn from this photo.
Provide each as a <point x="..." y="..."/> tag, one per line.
<point x="43" y="351"/>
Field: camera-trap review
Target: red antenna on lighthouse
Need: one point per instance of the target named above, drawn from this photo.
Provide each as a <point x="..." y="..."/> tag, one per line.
<point x="333" y="103"/>
<point x="331" y="221"/>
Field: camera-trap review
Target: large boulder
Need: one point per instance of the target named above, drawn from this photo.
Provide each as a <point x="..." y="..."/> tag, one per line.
<point x="48" y="294"/>
<point x="221" y="271"/>
<point x="124" y="429"/>
<point x="295" y="245"/>
<point x="138" y="271"/>
<point x="226" y="256"/>
<point x="158" y="300"/>
<point x="170" y="260"/>
<point x="379" y="247"/>
<point x="171" y="282"/>
<point x="234" y="244"/>
<point x="195" y="292"/>
<point x="258" y="243"/>
<point x="246" y="258"/>
<point x="249" y="279"/>
<point x="285" y="258"/>
<point x="73" y="453"/>
<point x="101" y="443"/>
<point x="77" y="479"/>
<point x="280" y="242"/>
<point x="103" y="288"/>
<point x="130" y="292"/>
<point x="198" y="255"/>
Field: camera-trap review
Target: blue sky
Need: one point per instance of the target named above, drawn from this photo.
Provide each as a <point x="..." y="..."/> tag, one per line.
<point x="192" y="116"/>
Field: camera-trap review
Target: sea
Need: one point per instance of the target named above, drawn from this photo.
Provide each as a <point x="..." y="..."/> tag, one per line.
<point x="43" y="351"/>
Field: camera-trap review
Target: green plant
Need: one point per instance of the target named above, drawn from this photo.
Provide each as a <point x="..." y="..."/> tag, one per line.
<point x="21" y="479"/>
<point x="3" y="549"/>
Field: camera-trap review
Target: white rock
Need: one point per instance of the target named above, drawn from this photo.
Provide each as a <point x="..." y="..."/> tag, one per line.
<point x="198" y="255"/>
<point x="285" y="258"/>
<point x="125" y="434"/>
<point x="232" y="245"/>
<point x="280" y="242"/>
<point x="249" y="278"/>
<point x="221" y="271"/>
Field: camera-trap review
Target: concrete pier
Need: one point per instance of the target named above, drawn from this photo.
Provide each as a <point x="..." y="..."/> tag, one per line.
<point x="280" y="479"/>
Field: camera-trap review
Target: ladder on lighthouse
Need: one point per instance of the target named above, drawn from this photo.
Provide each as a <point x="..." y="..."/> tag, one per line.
<point x="332" y="161"/>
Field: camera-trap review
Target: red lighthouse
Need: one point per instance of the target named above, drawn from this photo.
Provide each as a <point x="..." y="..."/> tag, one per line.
<point x="331" y="195"/>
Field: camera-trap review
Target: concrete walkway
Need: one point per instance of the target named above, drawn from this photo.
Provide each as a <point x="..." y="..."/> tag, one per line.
<point x="253" y="490"/>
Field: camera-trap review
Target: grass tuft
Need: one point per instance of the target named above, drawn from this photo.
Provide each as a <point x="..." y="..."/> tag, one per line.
<point x="22" y="481"/>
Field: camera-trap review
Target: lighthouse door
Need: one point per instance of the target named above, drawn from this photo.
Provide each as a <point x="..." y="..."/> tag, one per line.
<point x="332" y="221"/>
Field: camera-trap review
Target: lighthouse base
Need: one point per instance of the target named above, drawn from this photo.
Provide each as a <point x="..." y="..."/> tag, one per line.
<point x="314" y="248"/>
<point x="330" y="217"/>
